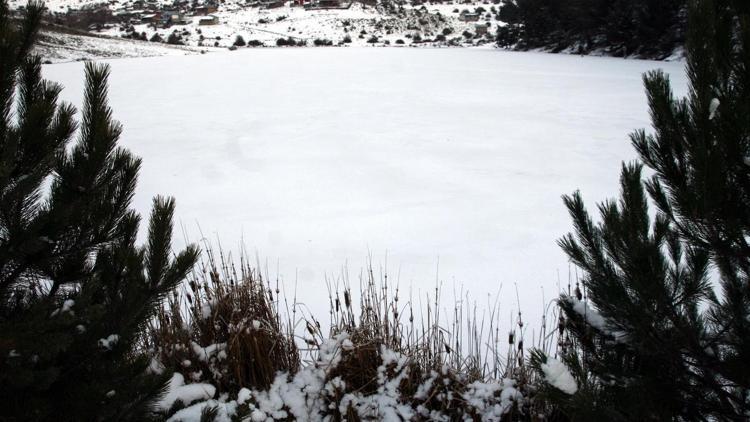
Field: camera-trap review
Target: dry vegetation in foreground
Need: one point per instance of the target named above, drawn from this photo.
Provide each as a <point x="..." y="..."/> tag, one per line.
<point x="228" y="328"/>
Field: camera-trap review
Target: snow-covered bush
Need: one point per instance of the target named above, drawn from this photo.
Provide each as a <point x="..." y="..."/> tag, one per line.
<point x="290" y="42"/>
<point x="322" y="391"/>
<point x="239" y="41"/>
<point x="175" y="39"/>
<point x="321" y="42"/>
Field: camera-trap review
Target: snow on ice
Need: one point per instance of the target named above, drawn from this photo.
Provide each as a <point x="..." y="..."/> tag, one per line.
<point x="443" y="164"/>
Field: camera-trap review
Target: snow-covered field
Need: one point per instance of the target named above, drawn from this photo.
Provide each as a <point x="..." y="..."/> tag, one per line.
<point x="446" y="164"/>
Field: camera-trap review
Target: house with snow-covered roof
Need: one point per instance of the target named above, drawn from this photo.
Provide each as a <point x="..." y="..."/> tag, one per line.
<point x="209" y="20"/>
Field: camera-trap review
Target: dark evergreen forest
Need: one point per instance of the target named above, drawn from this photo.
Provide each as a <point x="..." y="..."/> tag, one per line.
<point x="641" y="28"/>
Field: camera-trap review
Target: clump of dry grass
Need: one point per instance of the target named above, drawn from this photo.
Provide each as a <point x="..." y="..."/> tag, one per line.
<point x="224" y="328"/>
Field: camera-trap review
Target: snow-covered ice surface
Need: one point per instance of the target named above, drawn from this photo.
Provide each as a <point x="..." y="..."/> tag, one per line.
<point x="450" y="162"/>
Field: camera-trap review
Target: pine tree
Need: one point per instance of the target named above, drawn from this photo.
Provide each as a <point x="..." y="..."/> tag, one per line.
<point x="75" y="288"/>
<point x="663" y="331"/>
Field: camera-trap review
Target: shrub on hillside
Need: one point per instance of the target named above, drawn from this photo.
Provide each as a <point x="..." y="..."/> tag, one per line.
<point x="239" y="41"/>
<point x="136" y="36"/>
<point x="318" y="42"/>
<point x="174" y="39"/>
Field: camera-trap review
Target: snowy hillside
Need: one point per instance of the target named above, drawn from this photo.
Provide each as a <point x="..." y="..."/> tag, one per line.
<point x="352" y="23"/>
<point x="55" y="46"/>
<point x="359" y="24"/>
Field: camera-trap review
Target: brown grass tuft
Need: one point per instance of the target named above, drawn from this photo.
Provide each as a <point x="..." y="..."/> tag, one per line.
<point x="225" y="329"/>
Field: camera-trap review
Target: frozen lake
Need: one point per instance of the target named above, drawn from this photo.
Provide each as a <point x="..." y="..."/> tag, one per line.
<point x="450" y="163"/>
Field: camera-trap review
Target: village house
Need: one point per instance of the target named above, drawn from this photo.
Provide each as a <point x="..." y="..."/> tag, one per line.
<point x="206" y="9"/>
<point x="209" y="20"/>
<point x="271" y="4"/>
<point x="328" y="4"/>
<point x="129" y="16"/>
<point x="173" y="17"/>
<point x="150" y="17"/>
<point x="467" y="16"/>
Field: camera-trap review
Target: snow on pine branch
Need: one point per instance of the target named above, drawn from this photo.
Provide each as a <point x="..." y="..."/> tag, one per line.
<point x="595" y="319"/>
<point x="558" y="376"/>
